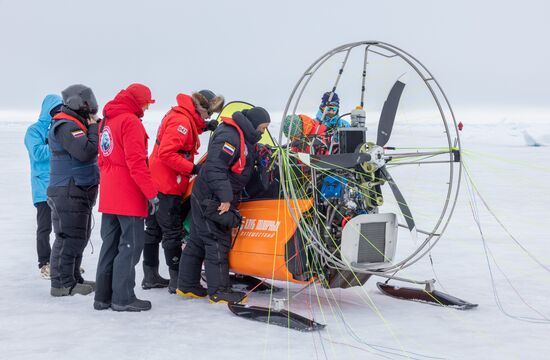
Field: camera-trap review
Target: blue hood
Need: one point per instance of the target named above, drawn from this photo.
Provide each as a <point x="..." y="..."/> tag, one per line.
<point x="50" y="101"/>
<point x="37" y="146"/>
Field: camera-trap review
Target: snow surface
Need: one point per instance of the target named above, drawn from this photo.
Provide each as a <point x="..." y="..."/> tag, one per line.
<point x="512" y="177"/>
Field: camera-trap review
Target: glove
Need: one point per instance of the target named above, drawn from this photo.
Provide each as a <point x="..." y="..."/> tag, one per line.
<point x="196" y="169"/>
<point x="212" y="125"/>
<point x="153" y="205"/>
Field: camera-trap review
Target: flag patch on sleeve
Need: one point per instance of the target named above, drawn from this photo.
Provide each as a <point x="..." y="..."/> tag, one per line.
<point x="228" y="148"/>
<point x="182" y="129"/>
<point x="78" y="133"/>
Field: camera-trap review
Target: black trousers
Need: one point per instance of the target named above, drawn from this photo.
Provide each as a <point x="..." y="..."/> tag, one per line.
<point x="43" y="231"/>
<point x="210" y="243"/>
<point x="72" y="219"/>
<point x="165" y="227"/>
<point x="120" y="252"/>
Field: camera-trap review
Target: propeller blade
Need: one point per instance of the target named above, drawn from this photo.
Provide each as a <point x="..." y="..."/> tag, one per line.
<point x="384" y="174"/>
<point x="387" y="117"/>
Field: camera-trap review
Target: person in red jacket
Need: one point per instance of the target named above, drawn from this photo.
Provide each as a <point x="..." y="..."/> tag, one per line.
<point x="172" y="165"/>
<point x="126" y="186"/>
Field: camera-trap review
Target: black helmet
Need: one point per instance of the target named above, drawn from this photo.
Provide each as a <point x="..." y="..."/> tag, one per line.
<point x="80" y="98"/>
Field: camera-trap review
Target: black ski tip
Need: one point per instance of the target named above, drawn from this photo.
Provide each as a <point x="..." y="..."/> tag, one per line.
<point x="281" y="318"/>
<point x="434" y="297"/>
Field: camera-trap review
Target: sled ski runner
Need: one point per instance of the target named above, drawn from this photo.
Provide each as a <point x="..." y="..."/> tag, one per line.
<point x="281" y="318"/>
<point x="428" y="295"/>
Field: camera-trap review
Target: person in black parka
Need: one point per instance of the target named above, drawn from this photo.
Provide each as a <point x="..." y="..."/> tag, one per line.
<point x="215" y="196"/>
<point x="72" y="192"/>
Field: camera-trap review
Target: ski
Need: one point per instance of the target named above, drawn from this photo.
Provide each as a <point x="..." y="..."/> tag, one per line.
<point x="281" y="318"/>
<point x="431" y="297"/>
<point x="251" y="283"/>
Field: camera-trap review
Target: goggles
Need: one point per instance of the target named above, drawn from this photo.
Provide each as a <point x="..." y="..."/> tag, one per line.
<point x="331" y="108"/>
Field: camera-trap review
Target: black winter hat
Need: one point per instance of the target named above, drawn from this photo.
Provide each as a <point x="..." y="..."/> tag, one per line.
<point x="257" y="115"/>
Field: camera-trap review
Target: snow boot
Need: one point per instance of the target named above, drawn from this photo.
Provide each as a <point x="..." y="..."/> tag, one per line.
<point x="152" y="279"/>
<point x="173" y="284"/>
<point x="87" y="282"/>
<point x="98" y="305"/>
<point x="45" y="271"/>
<point x="81" y="289"/>
<point x="228" y="296"/>
<point x="195" y="292"/>
<point x="135" y="306"/>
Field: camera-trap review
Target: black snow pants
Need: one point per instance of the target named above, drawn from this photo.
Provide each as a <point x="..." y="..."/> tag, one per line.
<point x="165" y="227"/>
<point x="120" y="252"/>
<point x="43" y="231"/>
<point x="208" y="242"/>
<point x="72" y="219"/>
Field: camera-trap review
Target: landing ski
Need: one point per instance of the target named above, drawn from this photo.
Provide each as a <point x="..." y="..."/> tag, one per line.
<point x="431" y="297"/>
<point x="281" y="318"/>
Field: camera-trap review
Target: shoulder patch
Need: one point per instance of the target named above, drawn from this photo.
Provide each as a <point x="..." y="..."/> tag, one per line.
<point x="182" y="129"/>
<point x="78" y="133"/>
<point x="228" y="148"/>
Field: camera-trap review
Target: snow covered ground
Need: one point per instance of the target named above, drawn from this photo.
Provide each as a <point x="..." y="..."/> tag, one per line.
<point x="512" y="177"/>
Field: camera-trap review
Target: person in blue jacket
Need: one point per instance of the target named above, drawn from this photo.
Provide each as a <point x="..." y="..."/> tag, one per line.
<point x="36" y="142"/>
<point x="330" y="106"/>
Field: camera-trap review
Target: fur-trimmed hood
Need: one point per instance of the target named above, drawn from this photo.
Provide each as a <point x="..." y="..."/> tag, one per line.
<point x="214" y="105"/>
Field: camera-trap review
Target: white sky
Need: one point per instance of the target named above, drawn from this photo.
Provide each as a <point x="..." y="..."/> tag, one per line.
<point x="484" y="53"/>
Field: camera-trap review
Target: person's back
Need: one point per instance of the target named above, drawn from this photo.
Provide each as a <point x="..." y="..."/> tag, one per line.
<point x="36" y="142"/>
<point x="126" y="189"/>
<point x="123" y="145"/>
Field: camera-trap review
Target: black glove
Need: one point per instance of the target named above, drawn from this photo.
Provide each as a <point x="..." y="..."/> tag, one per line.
<point x="153" y="205"/>
<point x="212" y="125"/>
<point x="196" y="169"/>
<point x="229" y="219"/>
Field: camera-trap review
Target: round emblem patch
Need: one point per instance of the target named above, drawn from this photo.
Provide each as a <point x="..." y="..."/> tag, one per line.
<point x="107" y="143"/>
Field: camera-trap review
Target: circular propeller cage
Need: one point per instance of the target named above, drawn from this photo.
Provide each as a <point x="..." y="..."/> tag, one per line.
<point x="311" y="226"/>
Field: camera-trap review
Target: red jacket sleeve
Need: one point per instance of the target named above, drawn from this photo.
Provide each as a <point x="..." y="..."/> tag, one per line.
<point x="135" y="153"/>
<point x="174" y="139"/>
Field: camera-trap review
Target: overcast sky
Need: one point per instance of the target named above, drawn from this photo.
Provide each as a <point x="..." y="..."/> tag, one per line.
<point x="484" y="53"/>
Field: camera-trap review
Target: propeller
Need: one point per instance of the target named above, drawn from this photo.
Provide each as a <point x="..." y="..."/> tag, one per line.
<point x="387" y="117"/>
<point x="385" y="127"/>
<point x="384" y="174"/>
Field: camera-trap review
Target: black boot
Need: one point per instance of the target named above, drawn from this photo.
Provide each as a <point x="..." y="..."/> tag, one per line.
<point x="228" y="296"/>
<point x="194" y="292"/>
<point x="173" y="285"/>
<point x="136" y="305"/>
<point x="152" y="279"/>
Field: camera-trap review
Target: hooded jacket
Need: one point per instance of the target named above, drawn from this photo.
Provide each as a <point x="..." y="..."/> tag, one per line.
<point x="218" y="176"/>
<point x="334" y="122"/>
<point x="125" y="182"/>
<point x="36" y="142"/>
<point x="176" y="145"/>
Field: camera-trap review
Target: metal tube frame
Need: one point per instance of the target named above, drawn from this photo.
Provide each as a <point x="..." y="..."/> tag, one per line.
<point x="443" y="105"/>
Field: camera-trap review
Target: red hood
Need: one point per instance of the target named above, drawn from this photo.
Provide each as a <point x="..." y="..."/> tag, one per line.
<point x="186" y="105"/>
<point x="124" y="102"/>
